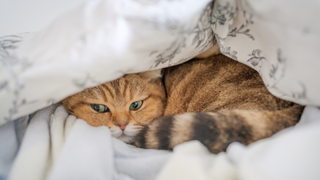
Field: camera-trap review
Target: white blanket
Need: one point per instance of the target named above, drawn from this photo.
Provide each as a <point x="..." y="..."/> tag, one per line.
<point x="59" y="146"/>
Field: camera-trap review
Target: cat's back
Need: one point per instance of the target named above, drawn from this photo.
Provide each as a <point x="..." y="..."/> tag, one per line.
<point x="218" y="101"/>
<point x="214" y="83"/>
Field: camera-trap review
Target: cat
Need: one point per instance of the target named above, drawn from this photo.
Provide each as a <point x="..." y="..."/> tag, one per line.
<point x="215" y="100"/>
<point x="124" y="105"/>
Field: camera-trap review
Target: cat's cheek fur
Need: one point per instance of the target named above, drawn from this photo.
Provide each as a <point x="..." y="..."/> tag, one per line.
<point x="153" y="110"/>
<point x="98" y="119"/>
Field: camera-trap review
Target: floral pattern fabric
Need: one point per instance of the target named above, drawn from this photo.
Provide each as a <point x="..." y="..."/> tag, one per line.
<point x="279" y="39"/>
<point x="102" y="40"/>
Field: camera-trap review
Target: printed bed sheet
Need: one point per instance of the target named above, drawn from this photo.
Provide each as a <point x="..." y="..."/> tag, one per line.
<point x="103" y="39"/>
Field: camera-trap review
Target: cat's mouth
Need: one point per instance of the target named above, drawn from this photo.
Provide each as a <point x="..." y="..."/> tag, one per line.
<point x="128" y="135"/>
<point x="125" y="138"/>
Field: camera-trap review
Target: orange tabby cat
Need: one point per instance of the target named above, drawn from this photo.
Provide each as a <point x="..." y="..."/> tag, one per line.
<point x="214" y="100"/>
<point x="124" y="105"/>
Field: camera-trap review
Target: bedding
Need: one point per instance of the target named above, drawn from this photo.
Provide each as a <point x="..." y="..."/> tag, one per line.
<point x="103" y="39"/>
<point x="59" y="146"/>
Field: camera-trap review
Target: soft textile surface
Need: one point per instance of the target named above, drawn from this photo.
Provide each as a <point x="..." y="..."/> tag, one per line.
<point x="11" y="135"/>
<point x="104" y="39"/>
<point x="98" y="42"/>
<point x="59" y="146"/>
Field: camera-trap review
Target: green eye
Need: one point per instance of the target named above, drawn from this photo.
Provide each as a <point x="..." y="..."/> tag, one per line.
<point x="100" y="108"/>
<point x="136" y="105"/>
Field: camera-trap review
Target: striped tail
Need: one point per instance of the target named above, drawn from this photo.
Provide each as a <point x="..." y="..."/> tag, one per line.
<point x="216" y="130"/>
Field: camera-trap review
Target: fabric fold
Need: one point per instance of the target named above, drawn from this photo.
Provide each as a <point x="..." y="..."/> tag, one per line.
<point x="34" y="157"/>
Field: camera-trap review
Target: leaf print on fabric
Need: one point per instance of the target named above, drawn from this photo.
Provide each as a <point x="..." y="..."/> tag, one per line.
<point x="242" y="30"/>
<point x="8" y="43"/>
<point x="85" y="82"/>
<point x="256" y="57"/>
<point x="273" y="70"/>
<point x="17" y="102"/>
<point x="171" y="25"/>
<point x="300" y="94"/>
<point x="280" y="57"/>
<point x="9" y="78"/>
<point x="225" y="50"/>
<point x="202" y="39"/>
<point x="202" y="36"/>
<point x="203" y="32"/>
<point x="277" y="71"/>
<point x="228" y="52"/>
<point x="222" y="13"/>
<point x="168" y="54"/>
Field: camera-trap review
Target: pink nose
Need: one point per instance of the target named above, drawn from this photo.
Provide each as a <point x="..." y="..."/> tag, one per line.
<point x="122" y="126"/>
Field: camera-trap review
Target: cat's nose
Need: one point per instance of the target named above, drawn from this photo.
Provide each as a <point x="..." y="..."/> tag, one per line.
<point x="123" y="126"/>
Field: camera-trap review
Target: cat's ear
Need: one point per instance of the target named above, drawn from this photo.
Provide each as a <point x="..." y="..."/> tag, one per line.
<point x="152" y="76"/>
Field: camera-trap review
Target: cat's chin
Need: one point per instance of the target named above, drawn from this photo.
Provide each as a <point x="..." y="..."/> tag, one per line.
<point x="125" y="138"/>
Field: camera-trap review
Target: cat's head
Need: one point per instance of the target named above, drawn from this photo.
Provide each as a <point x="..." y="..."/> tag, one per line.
<point x="124" y="105"/>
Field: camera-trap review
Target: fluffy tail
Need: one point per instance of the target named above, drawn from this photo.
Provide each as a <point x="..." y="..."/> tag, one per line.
<point x="216" y="130"/>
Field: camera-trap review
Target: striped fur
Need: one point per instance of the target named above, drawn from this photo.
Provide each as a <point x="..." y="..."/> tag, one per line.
<point x="216" y="130"/>
<point x="216" y="101"/>
<point x="118" y="95"/>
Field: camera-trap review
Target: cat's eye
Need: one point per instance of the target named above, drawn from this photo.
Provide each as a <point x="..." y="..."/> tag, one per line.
<point x="136" y="105"/>
<point x="100" y="108"/>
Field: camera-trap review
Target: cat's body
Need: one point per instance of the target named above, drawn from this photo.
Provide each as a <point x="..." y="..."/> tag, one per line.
<point x="237" y="104"/>
<point x="216" y="101"/>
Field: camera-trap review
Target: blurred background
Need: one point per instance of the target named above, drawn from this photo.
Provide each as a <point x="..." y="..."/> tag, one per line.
<point x="18" y="16"/>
